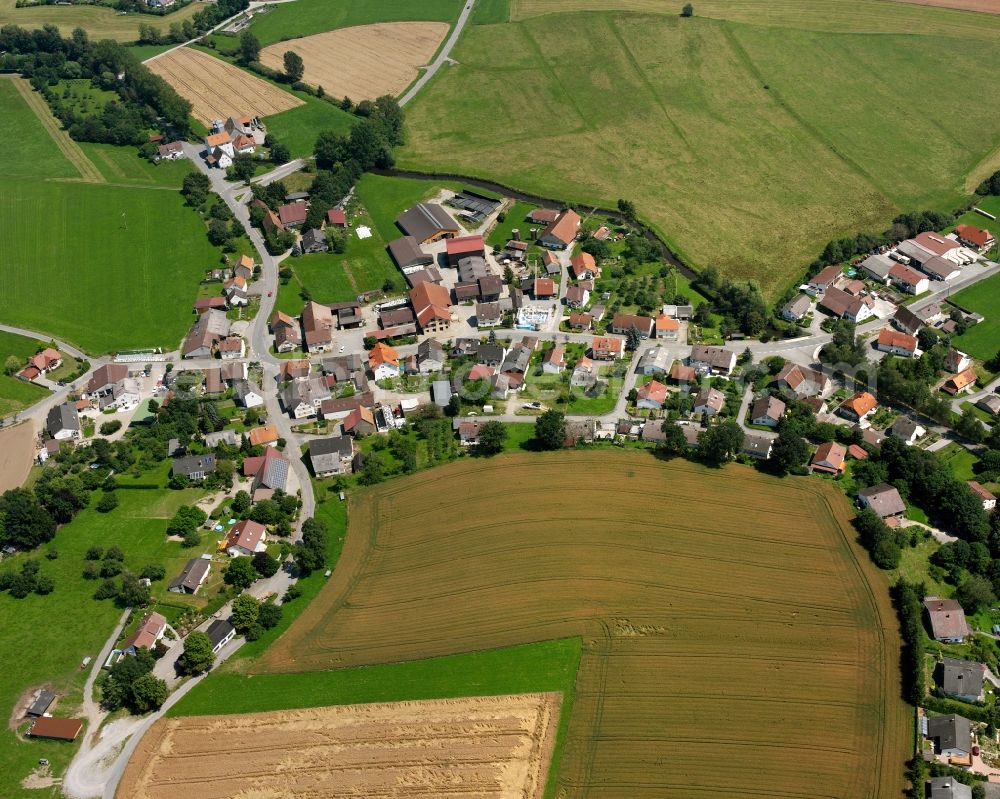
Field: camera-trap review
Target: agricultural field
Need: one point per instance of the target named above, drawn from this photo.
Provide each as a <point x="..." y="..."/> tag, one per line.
<point x="363" y="62"/>
<point x="496" y="745"/>
<point x="746" y="135"/>
<point x="16" y="394"/>
<point x="134" y="255"/>
<point x="138" y="526"/>
<point x="700" y="630"/>
<point x="17" y="450"/>
<point x="217" y="89"/>
<point x="111" y="220"/>
<point x="101" y="22"/>
<point x="982" y="340"/>
<point x="307" y="17"/>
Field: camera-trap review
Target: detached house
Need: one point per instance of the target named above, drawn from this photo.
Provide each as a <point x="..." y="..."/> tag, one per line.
<point x="584" y="373"/>
<point x="909" y="279"/>
<point x="302" y="398"/>
<point x="709" y="401"/>
<point x="432" y="306"/>
<point x="562" y="232"/>
<point x="667" y="328"/>
<point x="796" y="309"/>
<point x="211" y="327"/>
<point x="961" y="678"/>
<point x="956" y="361"/>
<point x="717" y="360"/>
<point x="989" y="500"/>
<point x="859" y="407"/>
<point x="149" y="632"/>
<point x="829" y="458"/>
<point x="884" y="500"/>
<point x="651" y="395"/>
<point x="287" y="337"/>
<point x="191" y="577"/>
<point x="947" y="620"/>
<point x="960" y="382"/>
<point x="245" y="539"/>
<point x="952" y="736"/>
<point x="823" y="280"/>
<point x="606" y="348"/>
<point x="584" y="267"/>
<point x="383" y="361"/>
<point x="622" y="323"/>
<point x="317" y="327"/>
<point x="767" y="411"/>
<point x="332" y="455"/>
<point x="554" y="360"/>
<point x="431" y="356"/>
<point x="194" y="467"/>
<point x="897" y="343"/>
<point x="843" y="305"/>
<point x="63" y="422"/>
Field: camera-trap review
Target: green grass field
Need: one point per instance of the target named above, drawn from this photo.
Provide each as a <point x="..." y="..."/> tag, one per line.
<point x="306" y="17"/>
<point x="982" y="340"/>
<point x="106" y="286"/>
<point x="299" y="127"/>
<point x="16" y="394"/>
<point x="103" y="265"/>
<point x="125" y="165"/>
<point x="28" y="150"/>
<point x="748" y="140"/>
<point x="69" y="621"/>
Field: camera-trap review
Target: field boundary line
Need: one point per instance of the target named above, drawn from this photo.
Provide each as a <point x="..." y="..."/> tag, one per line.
<point x="88" y="172"/>
<point x="811" y="129"/>
<point x="644" y="78"/>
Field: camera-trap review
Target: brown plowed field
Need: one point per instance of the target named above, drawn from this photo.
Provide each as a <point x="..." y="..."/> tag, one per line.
<point x="490" y="746"/>
<point x="733" y="645"/>
<point x="364" y="62"/>
<point x="218" y="90"/>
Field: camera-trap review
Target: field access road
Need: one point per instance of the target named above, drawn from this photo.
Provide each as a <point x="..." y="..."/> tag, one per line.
<point x="442" y="56"/>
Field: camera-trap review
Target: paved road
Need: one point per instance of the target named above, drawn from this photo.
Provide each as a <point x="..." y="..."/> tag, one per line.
<point x="258" y="338"/>
<point x="253" y="5"/>
<point x="443" y="56"/>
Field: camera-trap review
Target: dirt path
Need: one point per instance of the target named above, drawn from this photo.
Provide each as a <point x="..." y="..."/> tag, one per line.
<point x="88" y="172"/>
<point x="16" y="451"/>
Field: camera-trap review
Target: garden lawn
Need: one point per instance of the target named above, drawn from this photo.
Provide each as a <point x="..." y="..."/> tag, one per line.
<point x="748" y="144"/>
<point x="16" y="394"/>
<point x="44" y="638"/>
<point x="982" y="340"/>
<point x="339" y="277"/>
<point x="961" y="462"/>
<point x="316" y="16"/>
<point x="119" y="266"/>
<point x="515" y="218"/>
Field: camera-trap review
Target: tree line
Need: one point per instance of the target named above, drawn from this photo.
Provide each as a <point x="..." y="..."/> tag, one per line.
<point x="145" y="100"/>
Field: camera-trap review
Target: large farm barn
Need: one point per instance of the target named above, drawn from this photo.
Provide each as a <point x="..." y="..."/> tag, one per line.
<point x="732" y="644"/>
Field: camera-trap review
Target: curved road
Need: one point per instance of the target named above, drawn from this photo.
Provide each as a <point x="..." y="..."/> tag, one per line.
<point x="442" y="57"/>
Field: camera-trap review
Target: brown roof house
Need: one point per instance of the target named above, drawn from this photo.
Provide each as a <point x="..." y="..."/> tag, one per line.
<point x="317" y="327"/>
<point x="884" y="500"/>
<point x="829" y="458"/>
<point x="710" y="401"/>
<point x="562" y="231"/>
<point x="767" y="411"/>
<point x="947" y="620"/>
<point x="147" y="634"/>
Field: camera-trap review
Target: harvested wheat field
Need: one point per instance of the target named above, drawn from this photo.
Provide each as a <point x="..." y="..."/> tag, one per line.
<point x="218" y="90"/>
<point x="491" y="746"/>
<point x="363" y="62"/>
<point x="732" y="643"/>
<point x="17" y="451"/>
